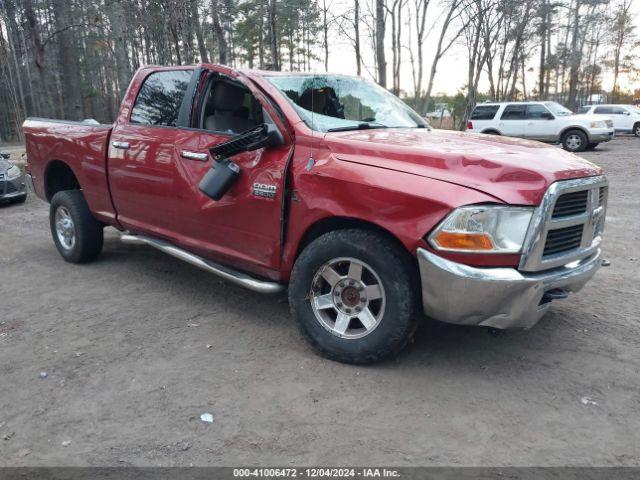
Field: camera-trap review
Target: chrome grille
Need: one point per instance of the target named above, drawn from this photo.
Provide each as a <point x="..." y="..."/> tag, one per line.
<point x="568" y="224"/>
<point x="571" y="204"/>
<point x="609" y="123"/>
<point x="1" y="176"/>
<point x="563" y="240"/>
<point x="601" y="195"/>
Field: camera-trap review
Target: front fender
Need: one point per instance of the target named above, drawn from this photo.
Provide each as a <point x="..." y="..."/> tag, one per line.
<point x="406" y="205"/>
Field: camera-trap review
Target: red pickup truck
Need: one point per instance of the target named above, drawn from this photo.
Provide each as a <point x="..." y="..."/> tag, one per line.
<point x="330" y="185"/>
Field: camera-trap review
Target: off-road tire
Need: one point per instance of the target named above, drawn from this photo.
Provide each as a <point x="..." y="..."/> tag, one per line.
<point x="89" y="235"/>
<point x="568" y="145"/>
<point x="397" y="272"/>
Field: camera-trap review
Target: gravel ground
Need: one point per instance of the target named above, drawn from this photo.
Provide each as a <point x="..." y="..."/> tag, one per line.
<point x="137" y="345"/>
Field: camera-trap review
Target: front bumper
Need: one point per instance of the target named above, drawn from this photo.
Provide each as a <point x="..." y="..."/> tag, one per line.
<point x="494" y="297"/>
<point x="601" y="135"/>
<point x="13" y="188"/>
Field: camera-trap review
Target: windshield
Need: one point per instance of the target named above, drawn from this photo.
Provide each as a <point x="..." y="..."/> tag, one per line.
<point x="558" y="109"/>
<point x="335" y="102"/>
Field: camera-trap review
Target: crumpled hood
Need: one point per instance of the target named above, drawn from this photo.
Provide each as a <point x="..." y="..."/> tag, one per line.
<point x="515" y="171"/>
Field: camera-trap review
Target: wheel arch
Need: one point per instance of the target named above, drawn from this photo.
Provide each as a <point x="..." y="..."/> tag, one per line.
<point x="330" y="224"/>
<point x="491" y="131"/>
<point x="59" y="176"/>
<point x="566" y="130"/>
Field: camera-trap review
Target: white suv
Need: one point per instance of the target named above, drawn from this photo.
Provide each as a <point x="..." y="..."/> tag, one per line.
<point x="544" y="121"/>
<point x="626" y="118"/>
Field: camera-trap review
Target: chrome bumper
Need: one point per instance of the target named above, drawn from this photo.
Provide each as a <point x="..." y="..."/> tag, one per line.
<point x="494" y="297"/>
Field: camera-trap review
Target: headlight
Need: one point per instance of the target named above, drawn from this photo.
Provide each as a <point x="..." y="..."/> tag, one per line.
<point x="13" y="172"/>
<point x="599" y="124"/>
<point x="483" y="229"/>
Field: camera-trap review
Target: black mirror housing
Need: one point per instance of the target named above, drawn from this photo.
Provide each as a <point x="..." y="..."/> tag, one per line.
<point x="224" y="172"/>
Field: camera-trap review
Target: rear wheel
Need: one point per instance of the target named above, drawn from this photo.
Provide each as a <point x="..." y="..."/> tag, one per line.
<point x="77" y="234"/>
<point x="354" y="295"/>
<point x="636" y="129"/>
<point x="575" y="141"/>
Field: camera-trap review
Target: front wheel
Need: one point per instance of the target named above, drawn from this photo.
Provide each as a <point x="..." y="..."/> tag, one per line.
<point x="355" y="296"/>
<point x="575" y="141"/>
<point x="636" y="129"/>
<point x="592" y="146"/>
<point x="77" y="234"/>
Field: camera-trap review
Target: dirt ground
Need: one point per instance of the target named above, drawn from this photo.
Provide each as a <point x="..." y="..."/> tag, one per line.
<point x="138" y="345"/>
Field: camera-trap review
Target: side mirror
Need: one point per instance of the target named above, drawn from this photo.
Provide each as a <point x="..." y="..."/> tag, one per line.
<point x="548" y="116"/>
<point x="626" y="113"/>
<point x="224" y="172"/>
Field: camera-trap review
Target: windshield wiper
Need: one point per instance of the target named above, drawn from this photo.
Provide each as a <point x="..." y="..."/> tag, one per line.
<point x="359" y="126"/>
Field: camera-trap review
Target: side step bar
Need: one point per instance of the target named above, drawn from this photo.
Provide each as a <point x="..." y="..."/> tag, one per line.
<point x="234" y="276"/>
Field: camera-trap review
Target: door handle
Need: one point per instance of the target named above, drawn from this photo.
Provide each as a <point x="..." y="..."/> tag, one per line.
<point x="201" y="157"/>
<point x="120" y="145"/>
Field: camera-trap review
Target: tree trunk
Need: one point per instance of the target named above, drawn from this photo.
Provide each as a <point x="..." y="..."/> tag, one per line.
<point x="273" y="36"/>
<point x="69" y="61"/>
<point x="356" y="27"/>
<point x="204" y="57"/>
<point x="379" y="35"/>
<point x="221" y="41"/>
<point x="117" y="19"/>
<point x="575" y="58"/>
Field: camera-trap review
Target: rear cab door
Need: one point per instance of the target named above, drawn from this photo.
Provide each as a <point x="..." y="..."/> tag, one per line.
<point x="141" y="150"/>
<point x="512" y="120"/>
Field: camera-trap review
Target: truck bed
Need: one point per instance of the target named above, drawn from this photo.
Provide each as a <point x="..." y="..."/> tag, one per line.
<point x="83" y="147"/>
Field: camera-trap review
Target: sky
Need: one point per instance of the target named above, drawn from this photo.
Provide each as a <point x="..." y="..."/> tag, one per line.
<point x="452" y="68"/>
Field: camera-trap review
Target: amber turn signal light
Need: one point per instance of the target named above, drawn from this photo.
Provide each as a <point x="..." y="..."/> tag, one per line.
<point x="463" y="241"/>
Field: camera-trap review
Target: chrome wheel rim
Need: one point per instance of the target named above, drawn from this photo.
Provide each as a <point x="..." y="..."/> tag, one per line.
<point x="573" y="142"/>
<point x="65" y="228"/>
<point x="347" y="298"/>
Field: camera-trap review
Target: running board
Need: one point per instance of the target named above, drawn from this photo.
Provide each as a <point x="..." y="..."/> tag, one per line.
<point x="234" y="276"/>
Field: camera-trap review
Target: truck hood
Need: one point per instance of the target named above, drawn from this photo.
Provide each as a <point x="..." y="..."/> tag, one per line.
<point x="515" y="171"/>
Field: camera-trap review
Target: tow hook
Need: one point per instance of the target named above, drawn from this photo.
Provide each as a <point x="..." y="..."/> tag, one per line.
<point x="554" y="294"/>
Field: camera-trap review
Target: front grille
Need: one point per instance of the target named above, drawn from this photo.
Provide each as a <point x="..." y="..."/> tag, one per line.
<point x="568" y="225"/>
<point x="569" y="204"/>
<point x="609" y="123"/>
<point x="11" y="188"/>
<point x="1" y="176"/>
<point x="563" y="239"/>
<point x="601" y="195"/>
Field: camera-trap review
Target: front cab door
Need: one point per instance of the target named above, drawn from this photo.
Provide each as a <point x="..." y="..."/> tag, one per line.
<point x="244" y="226"/>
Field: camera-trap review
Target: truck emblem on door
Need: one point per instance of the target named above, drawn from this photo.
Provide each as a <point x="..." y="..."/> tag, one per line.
<point x="264" y="190"/>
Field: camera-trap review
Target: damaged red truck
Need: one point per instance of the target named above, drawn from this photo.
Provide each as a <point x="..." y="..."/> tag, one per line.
<point x="330" y="185"/>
